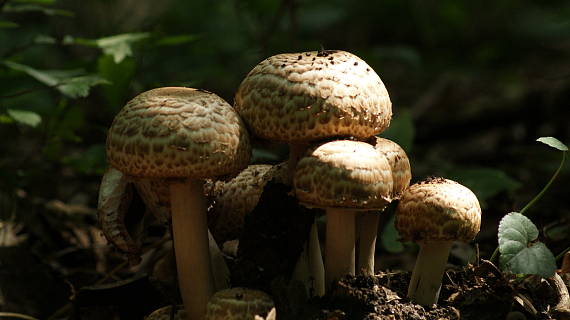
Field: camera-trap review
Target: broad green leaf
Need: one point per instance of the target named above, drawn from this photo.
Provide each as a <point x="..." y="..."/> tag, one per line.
<point x="29" y="118"/>
<point x="8" y="24"/>
<point x="120" y="75"/>
<point x="72" y="83"/>
<point x="401" y="131"/>
<point x="78" y="87"/>
<point x="553" y="142"/>
<point x="521" y="253"/>
<point x="36" y="1"/>
<point x="119" y="46"/>
<point x="91" y="161"/>
<point x="38" y="8"/>
<point x="485" y="182"/>
<point x="389" y="238"/>
<point x="176" y="40"/>
<point x="44" y="39"/>
<point x="4" y="118"/>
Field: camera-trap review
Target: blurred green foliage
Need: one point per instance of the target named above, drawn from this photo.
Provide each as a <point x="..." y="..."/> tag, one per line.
<point x="67" y="67"/>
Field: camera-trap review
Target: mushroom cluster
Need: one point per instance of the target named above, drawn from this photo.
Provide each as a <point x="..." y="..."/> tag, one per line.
<point x="171" y="144"/>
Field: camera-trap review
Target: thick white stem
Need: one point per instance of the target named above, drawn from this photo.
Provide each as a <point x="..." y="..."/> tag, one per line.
<point x="309" y="268"/>
<point x="316" y="262"/>
<point x="367" y="226"/>
<point x="425" y="283"/>
<point x="339" y="247"/>
<point x="190" y="234"/>
<point x="220" y="270"/>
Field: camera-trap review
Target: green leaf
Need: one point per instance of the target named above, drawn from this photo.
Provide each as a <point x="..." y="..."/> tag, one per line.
<point x="29" y="118"/>
<point x="401" y="131"/>
<point x="8" y="24"/>
<point x="91" y="161"/>
<point x="38" y="8"/>
<point x="72" y="83"/>
<point x="119" y="46"/>
<point x="553" y="142"/>
<point x="521" y="253"/>
<point x="485" y="182"/>
<point x="176" y="40"/>
<point x="36" y="1"/>
<point x="79" y="87"/>
<point x="120" y="75"/>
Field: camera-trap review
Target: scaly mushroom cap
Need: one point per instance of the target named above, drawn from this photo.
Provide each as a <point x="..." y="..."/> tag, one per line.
<point x="231" y="201"/>
<point x="177" y="132"/>
<point x="343" y="174"/>
<point x="399" y="162"/>
<point x="438" y="209"/>
<point x="238" y="304"/>
<point x="165" y="313"/>
<point x="298" y="97"/>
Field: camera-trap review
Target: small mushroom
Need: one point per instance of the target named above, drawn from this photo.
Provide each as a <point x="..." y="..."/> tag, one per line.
<point x="239" y="304"/>
<point x="367" y="222"/>
<point x="183" y="135"/>
<point x="434" y="213"/>
<point x="342" y="177"/>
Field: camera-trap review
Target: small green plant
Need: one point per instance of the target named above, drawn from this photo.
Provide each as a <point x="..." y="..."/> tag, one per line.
<point x="520" y="251"/>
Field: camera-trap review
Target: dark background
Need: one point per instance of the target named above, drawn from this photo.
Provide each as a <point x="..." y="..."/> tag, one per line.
<point x="473" y="85"/>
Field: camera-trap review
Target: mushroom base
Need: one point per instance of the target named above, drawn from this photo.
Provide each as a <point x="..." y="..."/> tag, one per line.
<point x="425" y="283"/>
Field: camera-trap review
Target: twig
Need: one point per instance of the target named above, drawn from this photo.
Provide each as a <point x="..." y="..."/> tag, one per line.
<point x="16" y="315"/>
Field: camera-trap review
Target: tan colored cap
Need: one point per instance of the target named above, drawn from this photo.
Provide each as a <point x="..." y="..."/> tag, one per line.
<point x="343" y="174"/>
<point x="238" y="304"/>
<point x="399" y="162"/>
<point x="298" y="97"/>
<point x="166" y="313"/>
<point x="231" y="201"/>
<point x="438" y="209"/>
<point x="177" y="132"/>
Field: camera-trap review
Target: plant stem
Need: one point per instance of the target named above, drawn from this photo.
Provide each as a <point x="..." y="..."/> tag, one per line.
<point x="541" y="193"/>
<point x="535" y="199"/>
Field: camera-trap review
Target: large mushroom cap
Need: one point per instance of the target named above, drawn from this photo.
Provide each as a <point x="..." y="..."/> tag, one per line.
<point x="177" y="132"/>
<point x="438" y="209"/>
<point x="297" y="97"/>
<point x="343" y="174"/>
<point x="238" y="304"/>
<point x="399" y="162"/>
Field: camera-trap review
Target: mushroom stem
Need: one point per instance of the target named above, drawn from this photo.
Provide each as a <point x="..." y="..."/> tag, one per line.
<point x="296" y="151"/>
<point x="367" y="224"/>
<point x="339" y="247"/>
<point x="190" y="234"/>
<point x="425" y="283"/>
<point x="316" y="261"/>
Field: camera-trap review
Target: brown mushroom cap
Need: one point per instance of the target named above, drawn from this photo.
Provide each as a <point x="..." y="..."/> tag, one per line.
<point x="166" y="313"/>
<point x="438" y="209"/>
<point x="399" y="162"/>
<point x="177" y="132"/>
<point x="343" y="174"/>
<point x="238" y="304"/>
<point x="298" y="97"/>
<point x="231" y="201"/>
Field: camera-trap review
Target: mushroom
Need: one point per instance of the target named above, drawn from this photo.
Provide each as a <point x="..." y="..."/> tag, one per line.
<point x="232" y="200"/>
<point x="367" y="222"/>
<point x="299" y="98"/>
<point x="168" y="313"/>
<point x="183" y="135"/>
<point x="434" y="213"/>
<point x="239" y="304"/>
<point x="342" y="177"/>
